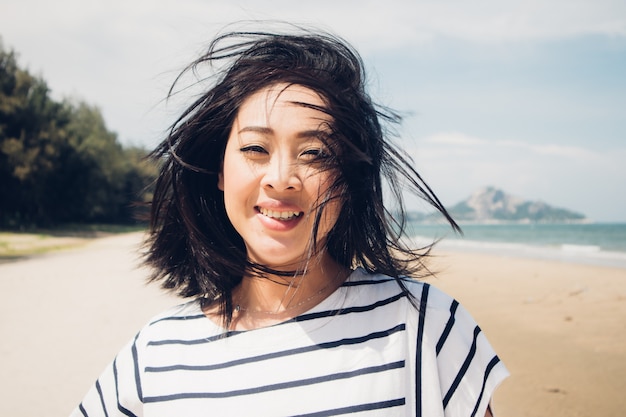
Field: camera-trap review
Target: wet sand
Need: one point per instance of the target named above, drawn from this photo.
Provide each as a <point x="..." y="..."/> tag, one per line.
<point x="559" y="327"/>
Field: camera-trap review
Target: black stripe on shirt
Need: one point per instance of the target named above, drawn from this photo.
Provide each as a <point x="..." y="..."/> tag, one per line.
<point x="366" y="282"/>
<point x="494" y="361"/>
<point x="449" y="325"/>
<point x="349" y="310"/>
<point x="274" y="355"/>
<point x="120" y="407"/>
<point x="277" y="386"/>
<point x="104" y="408"/>
<point x="298" y="319"/>
<point x="357" y="408"/>
<point x="181" y="318"/>
<point x="463" y="370"/>
<point x="418" y="350"/>
<point x="189" y="342"/>
<point x="202" y="316"/>
<point x="136" y="368"/>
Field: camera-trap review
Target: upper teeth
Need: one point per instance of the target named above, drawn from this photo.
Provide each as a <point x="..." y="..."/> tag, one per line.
<point x="281" y="215"/>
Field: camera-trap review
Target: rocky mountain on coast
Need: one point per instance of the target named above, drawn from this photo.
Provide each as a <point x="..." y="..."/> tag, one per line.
<point x="492" y="205"/>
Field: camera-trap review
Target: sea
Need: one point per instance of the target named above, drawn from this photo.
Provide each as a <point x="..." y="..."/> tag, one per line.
<point x="587" y="243"/>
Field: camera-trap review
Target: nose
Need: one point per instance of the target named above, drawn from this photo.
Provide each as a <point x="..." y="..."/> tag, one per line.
<point x="281" y="174"/>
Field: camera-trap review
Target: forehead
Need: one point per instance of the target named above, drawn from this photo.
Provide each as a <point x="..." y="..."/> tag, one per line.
<point x="283" y="102"/>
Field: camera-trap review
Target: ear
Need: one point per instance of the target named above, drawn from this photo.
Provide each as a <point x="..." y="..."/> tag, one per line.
<point x="220" y="178"/>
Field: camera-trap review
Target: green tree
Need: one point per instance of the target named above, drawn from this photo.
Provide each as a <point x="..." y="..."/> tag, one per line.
<point x="58" y="161"/>
<point x="32" y="138"/>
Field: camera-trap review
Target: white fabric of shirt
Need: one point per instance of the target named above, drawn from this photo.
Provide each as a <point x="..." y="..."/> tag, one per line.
<point x="365" y="351"/>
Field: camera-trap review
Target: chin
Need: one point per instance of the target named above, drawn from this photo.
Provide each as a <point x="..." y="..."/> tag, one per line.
<point x="277" y="259"/>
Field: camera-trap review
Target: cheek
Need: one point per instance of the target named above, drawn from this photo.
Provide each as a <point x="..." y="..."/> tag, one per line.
<point x="233" y="174"/>
<point x="240" y="186"/>
<point x="332" y="210"/>
<point x="333" y="202"/>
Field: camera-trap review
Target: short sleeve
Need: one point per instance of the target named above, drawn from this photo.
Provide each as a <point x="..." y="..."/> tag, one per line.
<point x="117" y="392"/>
<point x="469" y="370"/>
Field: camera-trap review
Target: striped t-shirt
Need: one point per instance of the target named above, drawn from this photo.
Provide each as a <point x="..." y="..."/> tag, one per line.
<point x="365" y="350"/>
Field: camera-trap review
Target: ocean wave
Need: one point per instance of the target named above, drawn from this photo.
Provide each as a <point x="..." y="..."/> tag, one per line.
<point x="573" y="253"/>
<point x="569" y="248"/>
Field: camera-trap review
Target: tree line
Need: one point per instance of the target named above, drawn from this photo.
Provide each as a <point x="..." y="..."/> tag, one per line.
<point x="59" y="163"/>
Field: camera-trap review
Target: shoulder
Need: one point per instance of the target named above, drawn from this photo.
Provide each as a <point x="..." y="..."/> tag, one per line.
<point x="189" y="310"/>
<point x="423" y="307"/>
<point x="423" y="294"/>
<point x="185" y="321"/>
<point x="441" y="318"/>
<point x="454" y="354"/>
<point x="438" y="319"/>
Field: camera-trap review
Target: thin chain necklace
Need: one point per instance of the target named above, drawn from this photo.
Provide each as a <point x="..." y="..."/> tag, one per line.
<point x="238" y="308"/>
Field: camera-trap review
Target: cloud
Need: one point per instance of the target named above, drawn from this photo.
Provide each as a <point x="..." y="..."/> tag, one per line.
<point x="570" y="152"/>
<point x="122" y="56"/>
<point x="493" y="20"/>
<point x="455" y="138"/>
<point x="463" y="141"/>
<point x="376" y="23"/>
<point x="455" y="164"/>
<point x="371" y="24"/>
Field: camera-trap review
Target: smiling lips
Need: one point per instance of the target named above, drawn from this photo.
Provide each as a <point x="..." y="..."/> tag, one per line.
<point x="280" y="215"/>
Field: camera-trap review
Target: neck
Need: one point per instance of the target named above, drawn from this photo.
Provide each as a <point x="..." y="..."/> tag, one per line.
<point x="260" y="301"/>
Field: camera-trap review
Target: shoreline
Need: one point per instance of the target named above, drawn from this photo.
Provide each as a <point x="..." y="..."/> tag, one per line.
<point x="602" y="244"/>
<point x="565" y="253"/>
<point x="559" y="327"/>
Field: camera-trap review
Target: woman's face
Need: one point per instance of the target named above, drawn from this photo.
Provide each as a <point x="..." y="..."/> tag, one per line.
<point x="273" y="175"/>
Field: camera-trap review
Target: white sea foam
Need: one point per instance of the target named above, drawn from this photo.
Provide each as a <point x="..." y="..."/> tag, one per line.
<point x="569" y="248"/>
<point x="584" y="254"/>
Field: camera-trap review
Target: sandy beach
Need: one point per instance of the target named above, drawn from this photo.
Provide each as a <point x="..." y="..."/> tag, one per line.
<point x="559" y="327"/>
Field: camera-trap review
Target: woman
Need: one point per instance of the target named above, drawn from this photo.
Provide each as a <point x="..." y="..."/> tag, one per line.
<point x="268" y="212"/>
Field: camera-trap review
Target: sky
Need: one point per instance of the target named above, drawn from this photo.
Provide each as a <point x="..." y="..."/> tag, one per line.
<point x="527" y="96"/>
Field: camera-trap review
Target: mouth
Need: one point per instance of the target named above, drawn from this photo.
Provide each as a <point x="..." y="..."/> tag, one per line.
<point x="280" y="215"/>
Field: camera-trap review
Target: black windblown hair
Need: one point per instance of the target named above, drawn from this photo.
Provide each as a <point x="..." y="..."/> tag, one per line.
<point x="193" y="247"/>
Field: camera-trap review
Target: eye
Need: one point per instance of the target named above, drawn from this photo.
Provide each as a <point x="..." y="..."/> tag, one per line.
<point x="253" y="149"/>
<point x="315" y="154"/>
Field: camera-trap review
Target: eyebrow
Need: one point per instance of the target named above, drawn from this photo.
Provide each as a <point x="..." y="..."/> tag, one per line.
<point x="305" y="134"/>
